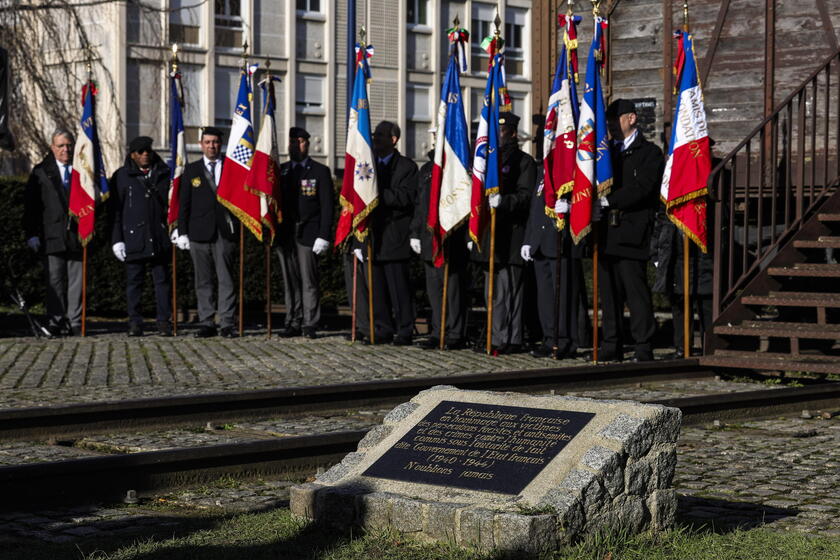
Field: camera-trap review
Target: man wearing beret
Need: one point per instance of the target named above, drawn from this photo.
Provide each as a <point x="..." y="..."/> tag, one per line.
<point x="139" y="235"/>
<point x="518" y="177"/>
<point x="206" y="229"/>
<point x="626" y="217"/>
<point x="51" y="232"/>
<point x="307" y="207"/>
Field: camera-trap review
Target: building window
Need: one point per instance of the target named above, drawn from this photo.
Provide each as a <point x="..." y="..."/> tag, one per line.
<point x="184" y="22"/>
<point x="309" y="97"/>
<point x="482" y="26"/>
<point x="418" y="12"/>
<point x="417" y="103"/>
<point x="228" y="23"/>
<point x="309" y="5"/>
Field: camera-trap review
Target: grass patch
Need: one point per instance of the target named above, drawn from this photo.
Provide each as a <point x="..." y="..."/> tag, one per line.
<point x="276" y="535"/>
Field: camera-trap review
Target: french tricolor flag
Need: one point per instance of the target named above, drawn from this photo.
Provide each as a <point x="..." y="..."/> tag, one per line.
<point x="451" y="186"/>
<point x="689" y="156"/>
<point x="178" y="148"/>
<point x="264" y="176"/>
<point x="359" y="192"/>
<point x="88" y="170"/>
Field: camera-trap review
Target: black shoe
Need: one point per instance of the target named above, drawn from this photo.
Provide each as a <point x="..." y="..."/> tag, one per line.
<point x="228" y="332"/>
<point x="349" y="336"/>
<point x="643" y="358"/>
<point x="607" y="357"/>
<point x="542" y="351"/>
<point x="402" y="341"/>
<point x="135" y="329"/>
<point x="205" y="331"/>
<point x="430" y="343"/>
<point x="309" y="332"/>
<point x="289" y="332"/>
<point x="75" y="331"/>
<point x="54" y="330"/>
<point x="510" y="349"/>
<point x="456" y="345"/>
<point x="164" y="328"/>
<point x="566" y="354"/>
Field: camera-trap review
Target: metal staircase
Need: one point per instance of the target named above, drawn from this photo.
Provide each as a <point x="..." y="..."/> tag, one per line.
<point x="777" y="237"/>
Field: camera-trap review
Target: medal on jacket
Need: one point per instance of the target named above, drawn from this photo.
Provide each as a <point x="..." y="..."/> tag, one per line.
<point x="196" y="182"/>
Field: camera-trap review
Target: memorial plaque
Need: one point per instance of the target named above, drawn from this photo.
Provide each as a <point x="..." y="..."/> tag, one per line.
<point x="494" y="448"/>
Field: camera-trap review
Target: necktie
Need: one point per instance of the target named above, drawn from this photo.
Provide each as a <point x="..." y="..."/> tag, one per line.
<point x="213" y="174"/>
<point x="67" y="177"/>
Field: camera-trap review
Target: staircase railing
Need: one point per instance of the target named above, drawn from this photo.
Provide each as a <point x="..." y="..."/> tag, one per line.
<point x="766" y="187"/>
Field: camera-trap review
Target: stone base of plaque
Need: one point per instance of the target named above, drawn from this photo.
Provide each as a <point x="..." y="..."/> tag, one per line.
<point x="504" y="471"/>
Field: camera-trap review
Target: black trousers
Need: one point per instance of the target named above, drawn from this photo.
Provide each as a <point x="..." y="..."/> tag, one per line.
<point x="571" y="308"/>
<point x="456" y="299"/>
<point x="351" y="263"/>
<point x="702" y="305"/>
<point x="624" y="281"/>
<point x="393" y="301"/>
<point x="135" y="274"/>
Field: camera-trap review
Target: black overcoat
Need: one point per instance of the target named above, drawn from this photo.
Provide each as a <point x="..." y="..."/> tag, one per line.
<point x="637" y="173"/>
<point x="45" y="210"/>
<point x="138" y="209"/>
<point x="391" y="221"/>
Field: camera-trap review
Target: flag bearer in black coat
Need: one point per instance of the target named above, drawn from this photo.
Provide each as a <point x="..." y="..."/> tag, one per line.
<point x="458" y="257"/>
<point x="540" y="246"/>
<point x="207" y="231"/>
<point x="626" y="227"/>
<point x="50" y="231"/>
<point x="518" y="177"/>
<point x="393" y="300"/>
<point x="140" y="238"/>
<point x="307" y="206"/>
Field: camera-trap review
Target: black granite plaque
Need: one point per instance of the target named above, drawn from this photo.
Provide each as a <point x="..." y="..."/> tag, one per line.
<point x="480" y="446"/>
<point x="646" y="116"/>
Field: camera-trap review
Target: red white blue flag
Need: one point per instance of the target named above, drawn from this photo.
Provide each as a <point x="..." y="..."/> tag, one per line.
<point x="88" y="179"/>
<point x="359" y="192"/>
<point x="689" y="155"/>
<point x="560" y="131"/>
<point x="450" y="192"/>
<point x="264" y="177"/>
<point x="243" y="203"/>
<point x="178" y="148"/>
<point x="593" y="176"/>
<point x="485" y="177"/>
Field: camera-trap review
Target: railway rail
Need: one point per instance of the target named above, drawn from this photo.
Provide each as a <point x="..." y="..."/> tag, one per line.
<point x="110" y="477"/>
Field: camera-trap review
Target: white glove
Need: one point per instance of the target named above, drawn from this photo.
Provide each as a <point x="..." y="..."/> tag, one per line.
<point x="525" y="253"/>
<point x="119" y="251"/>
<point x="33" y="243"/>
<point x="320" y="246"/>
<point x="173" y="237"/>
<point x="359" y="255"/>
<point x="655" y="264"/>
<point x="494" y="200"/>
<point x="469" y="245"/>
<point x="415" y="245"/>
<point x="183" y="243"/>
<point x="561" y="206"/>
<point x="604" y="202"/>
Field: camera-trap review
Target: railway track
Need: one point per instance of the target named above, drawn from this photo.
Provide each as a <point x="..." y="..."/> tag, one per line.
<point x="110" y="477"/>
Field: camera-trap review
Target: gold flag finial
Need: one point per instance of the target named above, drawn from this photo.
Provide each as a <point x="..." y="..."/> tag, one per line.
<point x="685" y="15"/>
<point x="596" y="8"/>
<point x="456" y="22"/>
<point x="497" y="21"/>
<point x="174" y="57"/>
<point x="362" y="35"/>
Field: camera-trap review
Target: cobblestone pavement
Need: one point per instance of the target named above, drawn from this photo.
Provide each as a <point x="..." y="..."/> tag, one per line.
<point x="12" y="453"/>
<point x="113" y="367"/>
<point x="779" y="473"/>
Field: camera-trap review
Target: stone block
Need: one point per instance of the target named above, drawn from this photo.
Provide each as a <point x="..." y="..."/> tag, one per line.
<point x="475" y="528"/>
<point x="302" y="499"/>
<point x="439" y="520"/>
<point x="374" y="436"/>
<point x="525" y="534"/>
<point x="637" y="477"/>
<point x="407" y="514"/>
<point x="662" y="505"/>
<point x="374" y="510"/>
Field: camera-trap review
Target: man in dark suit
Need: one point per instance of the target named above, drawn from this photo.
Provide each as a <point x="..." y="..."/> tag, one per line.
<point x="396" y="176"/>
<point x="307" y="206"/>
<point x="626" y="227"/>
<point x="518" y="176"/>
<point x="50" y="231"/>
<point x="206" y="229"/>
<point x="540" y="246"/>
<point x="458" y="257"/>
<point x="139" y="237"/>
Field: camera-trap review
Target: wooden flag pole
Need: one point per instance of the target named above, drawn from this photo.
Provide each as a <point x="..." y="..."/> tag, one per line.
<point x="370" y="290"/>
<point x="490" y="280"/>
<point x="241" y="278"/>
<point x="595" y="301"/>
<point x="557" y="282"/>
<point x="84" y="290"/>
<point x="268" y="284"/>
<point x="174" y="292"/>
<point x="355" y="262"/>
<point x="442" y="325"/>
<point x="688" y="334"/>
